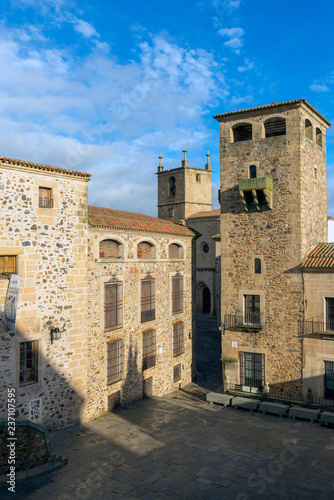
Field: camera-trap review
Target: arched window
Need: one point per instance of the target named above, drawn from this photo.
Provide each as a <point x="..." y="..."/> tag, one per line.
<point x="242" y="132"/>
<point x="257" y="266"/>
<point x="318" y="136"/>
<point x="175" y="251"/>
<point x="172" y="188"/>
<point x="275" y="127"/>
<point x="206" y="248"/>
<point x="308" y="129"/>
<point x="252" y="172"/>
<point x="145" y="250"/>
<point x="111" y="249"/>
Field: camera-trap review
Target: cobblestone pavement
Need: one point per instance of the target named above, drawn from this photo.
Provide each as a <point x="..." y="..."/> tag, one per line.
<point x="181" y="447"/>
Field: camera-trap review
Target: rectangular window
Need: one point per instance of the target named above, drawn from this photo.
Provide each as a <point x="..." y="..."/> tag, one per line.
<point x="178" y="338"/>
<point x="149" y="349"/>
<point x="329" y="302"/>
<point x="177" y="373"/>
<point x="329" y="379"/>
<point x="252" y="310"/>
<point x="115" y="361"/>
<point x="7" y="265"/>
<point x="252" y="369"/>
<point x="28" y="363"/>
<point x="177" y="294"/>
<point x="147" y="300"/>
<point x="113" y="305"/>
<point x="45" y="199"/>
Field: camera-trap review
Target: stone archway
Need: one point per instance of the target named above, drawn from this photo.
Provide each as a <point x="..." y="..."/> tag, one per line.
<point x="206" y="300"/>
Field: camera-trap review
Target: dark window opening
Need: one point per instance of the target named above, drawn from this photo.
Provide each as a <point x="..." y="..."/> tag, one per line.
<point x="242" y="132"/>
<point x="113" y="305"/>
<point x="252" y="369"/>
<point x="252" y="172"/>
<point x="172" y="187"/>
<point x="206" y="300"/>
<point x="149" y="349"/>
<point x="28" y="363"/>
<point x="45" y="199"/>
<point x="308" y="129"/>
<point x="257" y="266"/>
<point x="329" y="379"/>
<point x="147" y="300"/>
<point x="198" y="177"/>
<point x="329" y="303"/>
<point x="252" y="309"/>
<point x="206" y="248"/>
<point x="115" y="361"/>
<point x="275" y="127"/>
<point x="177" y="294"/>
<point x="178" y="338"/>
<point x="318" y="137"/>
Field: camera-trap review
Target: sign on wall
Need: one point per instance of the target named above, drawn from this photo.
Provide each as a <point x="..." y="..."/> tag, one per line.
<point x="11" y="300"/>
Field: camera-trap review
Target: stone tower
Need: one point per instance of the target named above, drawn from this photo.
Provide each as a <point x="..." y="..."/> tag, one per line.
<point x="183" y="191"/>
<point x="273" y="199"/>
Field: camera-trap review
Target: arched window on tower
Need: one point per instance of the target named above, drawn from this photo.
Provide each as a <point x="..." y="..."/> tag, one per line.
<point x="257" y="266"/>
<point x="172" y="188"/>
<point x="252" y="172"/>
<point x="318" y="137"/>
<point x="308" y="129"/>
<point x="242" y="132"/>
<point x="275" y="127"/>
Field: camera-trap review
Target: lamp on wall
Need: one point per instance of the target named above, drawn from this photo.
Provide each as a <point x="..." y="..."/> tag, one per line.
<point x="55" y="334"/>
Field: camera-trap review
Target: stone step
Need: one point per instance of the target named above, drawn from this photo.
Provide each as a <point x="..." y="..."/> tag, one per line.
<point x="245" y="403"/>
<point x="327" y="417"/>
<point x="274" y="408"/>
<point x="304" y="413"/>
<point x="221" y="399"/>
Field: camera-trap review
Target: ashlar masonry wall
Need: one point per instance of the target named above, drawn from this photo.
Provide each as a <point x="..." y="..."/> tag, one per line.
<point x="130" y="271"/>
<point x="50" y="245"/>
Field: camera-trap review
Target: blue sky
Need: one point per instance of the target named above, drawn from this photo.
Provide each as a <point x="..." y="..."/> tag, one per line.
<point x="104" y="87"/>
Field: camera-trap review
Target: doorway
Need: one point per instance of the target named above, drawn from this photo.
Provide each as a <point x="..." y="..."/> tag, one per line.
<point x="206" y="301"/>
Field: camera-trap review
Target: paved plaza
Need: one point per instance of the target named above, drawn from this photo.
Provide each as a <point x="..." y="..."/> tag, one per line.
<point x="182" y="447"/>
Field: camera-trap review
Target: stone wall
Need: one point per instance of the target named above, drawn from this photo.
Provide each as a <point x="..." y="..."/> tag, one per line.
<point x="130" y="271"/>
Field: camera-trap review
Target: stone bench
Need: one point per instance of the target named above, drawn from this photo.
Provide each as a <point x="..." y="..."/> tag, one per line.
<point x="304" y="413"/>
<point x="274" y="408"/>
<point x="326" y="417"/>
<point x="221" y="399"/>
<point x="246" y="403"/>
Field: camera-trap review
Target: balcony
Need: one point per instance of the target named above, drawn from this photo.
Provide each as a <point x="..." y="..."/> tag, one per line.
<point x="45" y="202"/>
<point x="248" y="321"/>
<point x="257" y="191"/>
<point x="319" y="326"/>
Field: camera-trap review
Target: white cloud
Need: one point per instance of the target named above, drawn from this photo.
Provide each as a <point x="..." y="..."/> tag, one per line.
<point x="84" y="28"/>
<point x="248" y="66"/>
<point x="235" y="35"/>
<point x="231" y="32"/>
<point x="318" y="87"/>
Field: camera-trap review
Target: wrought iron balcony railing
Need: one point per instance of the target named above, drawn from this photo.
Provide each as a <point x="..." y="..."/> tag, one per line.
<point x="247" y="321"/>
<point x="318" y="325"/>
<point x="46" y="202"/>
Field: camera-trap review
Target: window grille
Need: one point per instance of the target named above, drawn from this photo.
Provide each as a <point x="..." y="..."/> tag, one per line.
<point x="177" y="294"/>
<point x="113" y="305"/>
<point x="147" y="300"/>
<point x="149" y="349"/>
<point x="177" y="373"/>
<point x="252" y="309"/>
<point x="252" y="369"/>
<point x="178" y="338"/>
<point x="109" y="249"/>
<point x="28" y="363"/>
<point x="45" y="200"/>
<point x="7" y="265"/>
<point x="115" y="361"/>
<point x="329" y="379"/>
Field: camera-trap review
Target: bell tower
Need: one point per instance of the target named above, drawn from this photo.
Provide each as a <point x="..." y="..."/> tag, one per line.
<point x="183" y="191"/>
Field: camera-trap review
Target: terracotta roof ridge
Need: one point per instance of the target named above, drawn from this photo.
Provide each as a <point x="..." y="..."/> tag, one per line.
<point x="41" y="166"/>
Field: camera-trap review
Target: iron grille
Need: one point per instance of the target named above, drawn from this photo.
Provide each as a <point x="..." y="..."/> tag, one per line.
<point x="329" y="379"/>
<point x="147" y="300"/>
<point x="115" y="361"/>
<point x="252" y="369"/>
<point x="178" y="338"/>
<point x="113" y="305"/>
<point x="246" y="321"/>
<point x="177" y="294"/>
<point x="149" y="349"/>
<point x="46" y="202"/>
<point x="114" y="400"/>
<point x="148" y="387"/>
<point x="177" y="373"/>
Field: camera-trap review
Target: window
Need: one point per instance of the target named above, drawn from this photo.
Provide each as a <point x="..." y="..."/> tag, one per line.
<point x="242" y="132"/>
<point x="275" y="127"/>
<point x="110" y="249"/>
<point x="308" y="129"/>
<point x="178" y="338"/>
<point x="329" y="307"/>
<point x="175" y="251"/>
<point x="113" y="305"/>
<point x="45" y="200"/>
<point x="252" y="310"/>
<point x="252" y="172"/>
<point x="114" y="361"/>
<point x="145" y="250"/>
<point x="252" y="369"/>
<point x="149" y="349"/>
<point x="147" y="300"/>
<point x="172" y="187"/>
<point x="177" y="294"/>
<point x="177" y="373"/>
<point x="7" y="265"/>
<point x="318" y="137"/>
<point x="28" y="363"/>
<point x="206" y="248"/>
<point x="257" y="266"/>
<point x="329" y="379"/>
<point x="198" y="177"/>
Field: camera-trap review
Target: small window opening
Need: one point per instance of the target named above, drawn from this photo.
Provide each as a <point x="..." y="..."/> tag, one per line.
<point x="198" y="177"/>
<point x="318" y="137"/>
<point x="275" y="127"/>
<point x="315" y="172"/>
<point x="242" y="132"/>
<point x="206" y="248"/>
<point x="145" y="250"/>
<point x="45" y="198"/>
<point x="252" y="172"/>
<point x="257" y="266"/>
<point x="110" y="249"/>
<point x="308" y="129"/>
<point x="172" y="188"/>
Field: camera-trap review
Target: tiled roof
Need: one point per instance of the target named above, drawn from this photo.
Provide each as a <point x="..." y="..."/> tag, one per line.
<point x="39" y="166"/>
<point x="320" y="257"/>
<point x="273" y="105"/>
<point x="210" y="213"/>
<point x="119" y="219"/>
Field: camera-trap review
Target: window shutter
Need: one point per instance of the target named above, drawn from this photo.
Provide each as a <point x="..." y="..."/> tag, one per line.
<point x="109" y="249"/>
